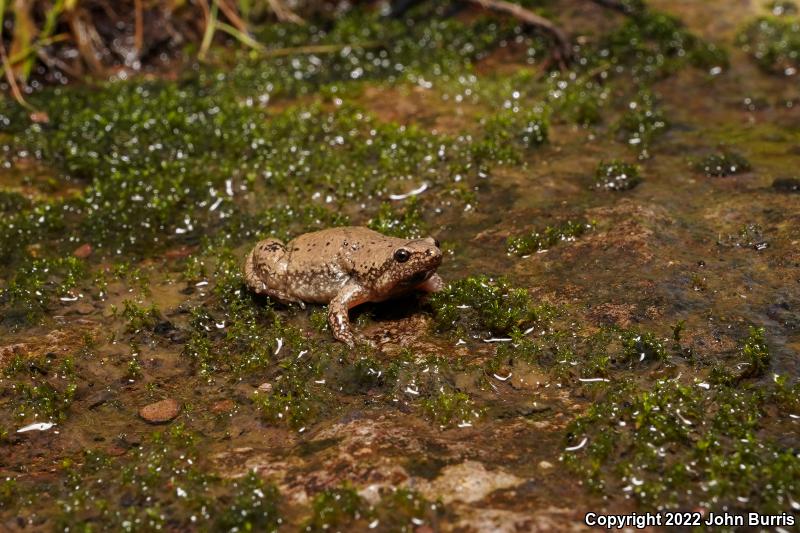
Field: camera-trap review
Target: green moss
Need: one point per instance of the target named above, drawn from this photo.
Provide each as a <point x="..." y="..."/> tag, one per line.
<point x="250" y="506"/>
<point x="774" y="43"/>
<point x="8" y="492"/>
<point x="641" y="346"/>
<point x="547" y="237"/>
<point x="642" y="123"/>
<point x="617" y="175"/>
<point x="11" y="202"/>
<point x="36" y="284"/>
<point x="483" y="304"/>
<point x="581" y="101"/>
<point x="675" y="444"/>
<point x="290" y="402"/>
<point x="342" y="509"/>
<point x="722" y="164"/>
<point x="449" y="407"/>
<point x="334" y="508"/>
<point x="507" y="136"/>
<point x="406" y="222"/>
<point x="368" y="372"/>
<point x="756" y="353"/>
<point x="163" y="482"/>
<point x="405" y="510"/>
<point x="40" y="389"/>
<point x="140" y="318"/>
<point x="654" y="44"/>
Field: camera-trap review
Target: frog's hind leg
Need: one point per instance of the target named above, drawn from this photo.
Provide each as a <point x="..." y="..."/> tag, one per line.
<point x="263" y="279"/>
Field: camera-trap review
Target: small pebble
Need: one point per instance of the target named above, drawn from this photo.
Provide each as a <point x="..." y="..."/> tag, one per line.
<point x="265" y="387"/>
<point x="223" y="406"/>
<point x="160" y="412"/>
<point x="545" y="465"/>
<point x="83" y="251"/>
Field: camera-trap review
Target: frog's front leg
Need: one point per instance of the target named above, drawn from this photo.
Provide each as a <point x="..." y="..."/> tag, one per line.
<point x="350" y="296"/>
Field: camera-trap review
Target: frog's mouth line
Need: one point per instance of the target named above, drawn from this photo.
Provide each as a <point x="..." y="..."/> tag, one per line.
<point x="419" y="277"/>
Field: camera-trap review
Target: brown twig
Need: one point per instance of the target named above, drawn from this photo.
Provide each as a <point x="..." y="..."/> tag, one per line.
<point x="84" y="42"/>
<point x="138" y="36"/>
<point x="283" y="13"/>
<point x="563" y="49"/>
<point x="12" y="81"/>
<point x="233" y="16"/>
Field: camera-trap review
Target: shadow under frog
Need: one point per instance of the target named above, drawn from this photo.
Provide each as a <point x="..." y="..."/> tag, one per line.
<point x="343" y="267"/>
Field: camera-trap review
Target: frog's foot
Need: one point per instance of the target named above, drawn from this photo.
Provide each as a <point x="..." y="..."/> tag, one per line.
<point x="350" y="296"/>
<point x="340" y="326"/>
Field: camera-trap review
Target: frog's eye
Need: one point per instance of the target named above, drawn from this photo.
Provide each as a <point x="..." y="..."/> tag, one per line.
<point x="401" y="255"/>
<point x="436" y="243"/>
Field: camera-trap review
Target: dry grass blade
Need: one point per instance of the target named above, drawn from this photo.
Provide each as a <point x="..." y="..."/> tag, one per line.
<point x="233" y="16"/>
<point x="23" y="37"/>
<point x="563" y="51"/>
<point x="211" y="26"/>
<point x="12" y="81"/>
<point x="138" y="36"/>
<point x="283" y="13"/>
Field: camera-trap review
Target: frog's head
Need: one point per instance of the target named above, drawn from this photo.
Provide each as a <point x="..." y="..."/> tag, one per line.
<point x="409" y="264"/>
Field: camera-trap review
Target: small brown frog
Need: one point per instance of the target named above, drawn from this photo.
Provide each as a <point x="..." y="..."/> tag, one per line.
<point x="343" y="267"/>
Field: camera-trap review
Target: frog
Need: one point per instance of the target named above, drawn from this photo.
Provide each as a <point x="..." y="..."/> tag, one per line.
<point x="343" y="267"/>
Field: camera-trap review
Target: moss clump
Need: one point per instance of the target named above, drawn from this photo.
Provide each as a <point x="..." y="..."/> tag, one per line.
<point x="483" y="304"/>
<point x="617" y="175"/>
<point x="655" y="44"/>
<point x="163" y="483"/>
<point x="756" y="353"/>
<point x="508" y="134"/>
<point x="334" y="508"/>
<point x="774" y="43"/>
<point x="405" y="222"/>
<point x="250" y="505"/>
<point x="41" y="389"/>
<point x="405" y="511"/>
<point x="642" y="123"/>
<point x="140" y="318"/>
<point x="723" y="164"/>
<point x="423" y="49"/>
<point x="673" y="445"/>
<point x="342" y="509"/>
<point x="548" y="237"/>
<point x="448" y="407"/>
<point x="641" y="346"/>
<point x="292" y="401"/>
<point x="8" y="492"/>
<point x="37" y="283"/>
<point x="12" y="202"/>
<point x="580" y="101"/>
